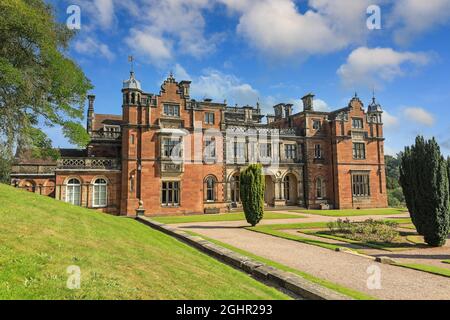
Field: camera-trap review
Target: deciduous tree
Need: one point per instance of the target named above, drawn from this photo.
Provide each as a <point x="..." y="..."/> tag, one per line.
<point x="39" y="84"/>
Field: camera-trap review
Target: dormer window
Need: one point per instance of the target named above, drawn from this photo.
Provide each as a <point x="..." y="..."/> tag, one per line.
<point x="357" y="123"/>
<point x="171" y="110"/>
<point x="317" y="124"/>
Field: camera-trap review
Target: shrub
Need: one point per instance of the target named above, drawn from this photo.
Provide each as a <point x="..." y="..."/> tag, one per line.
<point x="367" y="231"/>
<point x="252" y="193"/>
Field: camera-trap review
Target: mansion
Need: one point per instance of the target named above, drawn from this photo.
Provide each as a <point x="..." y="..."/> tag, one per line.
<point x="169" y="154"/>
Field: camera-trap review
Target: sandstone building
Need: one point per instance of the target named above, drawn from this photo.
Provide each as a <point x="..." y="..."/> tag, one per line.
<point x="170" y="154"/>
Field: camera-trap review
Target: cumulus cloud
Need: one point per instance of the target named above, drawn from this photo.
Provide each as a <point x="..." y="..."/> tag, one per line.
<point x="419" y="115"/>
<point x="279" y="28"/>
<point x="219" y="86"/>
<point x="92" y="47"/>
<point x="372" y="67"/>
<point x="174" y="26"/>
<point x="415" y="17"/>
<point x="145" y="44"/>
<point x="389" y="120"/>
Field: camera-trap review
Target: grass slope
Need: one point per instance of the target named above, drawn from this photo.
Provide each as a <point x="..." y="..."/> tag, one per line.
<point x="222" y="217"/>
<point x="119" y="257"/>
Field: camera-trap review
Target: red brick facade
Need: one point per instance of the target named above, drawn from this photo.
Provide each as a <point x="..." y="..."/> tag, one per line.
<point x="169" y="154"/>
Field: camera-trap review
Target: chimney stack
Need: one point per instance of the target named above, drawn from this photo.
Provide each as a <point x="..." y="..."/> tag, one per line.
<point x="308" y="102"/>
<point x="90" y="114"/>
<point x="288" y="110"/>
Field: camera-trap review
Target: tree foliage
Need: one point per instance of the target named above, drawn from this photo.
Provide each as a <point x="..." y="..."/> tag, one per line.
<point x="425" y="182"/>
<point x="39" y="85"/>
<point x="395" y="192"/>
<point x="252" y="193"/>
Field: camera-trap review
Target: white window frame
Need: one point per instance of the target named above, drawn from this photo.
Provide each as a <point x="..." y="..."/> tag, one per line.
<point x="70" y="192"/>
<point x="96" y="185"/>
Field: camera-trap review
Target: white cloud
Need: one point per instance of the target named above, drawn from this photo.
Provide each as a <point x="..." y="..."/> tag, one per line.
<point x="414" y="17"/>
<point x="105" y="9"/>
<point x="90" y="46"/>
<point x="419" y="115"/>
<point x="278" y="28"/>
<point x="372" y="67"/>
<point x="144" y="43"/>
<point x="321" y="105"/>
<point x="180" y="23"/>
<point x="389" y="120"/>
<point x="219" y="86"/>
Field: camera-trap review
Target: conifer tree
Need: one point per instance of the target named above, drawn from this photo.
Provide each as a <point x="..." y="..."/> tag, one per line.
<point x="425" y="182"/>
<point x="252" y="193"/>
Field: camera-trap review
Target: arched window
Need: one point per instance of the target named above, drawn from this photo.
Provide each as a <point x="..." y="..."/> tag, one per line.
<point x="210" y="187"/>
<point x="73" y="192"/>
<point x="100" y="193"/>
<point x="286" y="185"/>
<point x="320" y="188"/>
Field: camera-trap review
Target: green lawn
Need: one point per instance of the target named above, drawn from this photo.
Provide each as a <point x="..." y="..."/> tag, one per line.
<point x="353" y="213"/>
<point x="330" y="285"/>
<point x="446" y="261"/>
<point x="426" y="268"/>
<point x="276" y="231"/>
<point x="119" y="258"/>
<point x="221" y="217"/>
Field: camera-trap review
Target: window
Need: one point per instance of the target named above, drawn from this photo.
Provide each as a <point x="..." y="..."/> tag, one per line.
<point x="320" y="188"/>
<point x="286" y="185"/>
<point x="317" y="124"/>
<point x="239" y="150"/>
<point x="290" y="151"/>
<point x="132" y="139"/>
<point x="171" y="110"/>
<point x="359" y="151"/>
<point x="360" y="185"/>
<point x="235" y="189"/>
<point x="357" y="123"/>
<point x="265" y="150"/>
<point x="73" y="192"/>
<point x="209" y="118"/>
<point x="99" y="197"/>
<point x="318" y="151"/>
<point x="170" y="194"/>
<point x="210" y="189"/>
<point x="210" y="148"/>
<point x="171" y="148"/>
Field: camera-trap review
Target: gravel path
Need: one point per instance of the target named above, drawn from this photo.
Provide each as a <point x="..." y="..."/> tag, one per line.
<point x="342" y="268"/>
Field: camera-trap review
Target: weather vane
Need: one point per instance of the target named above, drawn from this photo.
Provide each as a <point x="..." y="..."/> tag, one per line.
<point x="131" y="61"/>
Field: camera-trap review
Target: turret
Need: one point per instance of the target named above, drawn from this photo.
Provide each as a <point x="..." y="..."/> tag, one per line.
<point x="131" y="91"/>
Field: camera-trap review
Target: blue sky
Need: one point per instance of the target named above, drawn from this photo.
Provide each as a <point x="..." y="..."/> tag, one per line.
<point x="276" y="51"/>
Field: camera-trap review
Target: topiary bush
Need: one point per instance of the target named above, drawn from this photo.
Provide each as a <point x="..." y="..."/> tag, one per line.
<point x="252" y="193"/>
<point x="425" y="182"/>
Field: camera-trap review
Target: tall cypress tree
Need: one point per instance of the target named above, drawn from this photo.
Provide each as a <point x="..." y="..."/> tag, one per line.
<point x="425" y="181"/>
<point x="252" y="193"/>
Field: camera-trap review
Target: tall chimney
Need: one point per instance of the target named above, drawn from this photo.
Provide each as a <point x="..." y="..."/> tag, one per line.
<point x="288" y="110"/>
<point x="308" y="102"/>
<point x="90" y="114"/>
